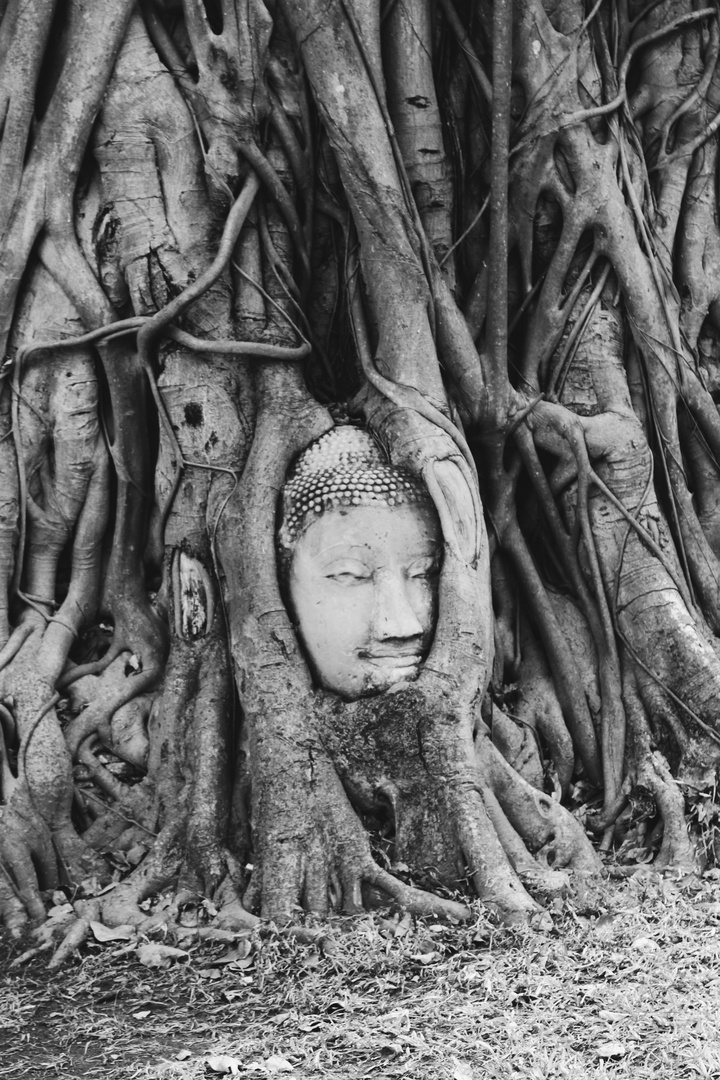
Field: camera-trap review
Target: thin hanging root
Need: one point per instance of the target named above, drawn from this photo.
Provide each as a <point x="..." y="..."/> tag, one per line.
<point x="699" y="92"/>
<point x="476" y="69"/>
<point x="15" y="643"/>
<point x="295" y="154"/>
<point x="570" y="693"/>
<point x="91" y="720"/>
<point x="225" y="347"/>
<point x="644" y="535"/>
<point x="96" y="667"/>
<point x="621" y="99"/>
<point x="257" y="161"/>
<point x="688" y="149"/>
<point x="565" y="359"/>
<point x="276" y="263"/>
<point x="157" y="323"/>
<point x="613" y="717"/>
<point x="405" y="397"/>
<point x="46" y="708"/>
<point x="110" y="809"/>
<point x="496" y="320"/>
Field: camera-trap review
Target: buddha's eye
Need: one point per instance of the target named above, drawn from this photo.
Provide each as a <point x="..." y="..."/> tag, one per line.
<point x="424" y="568"/>
<point x="348" y="573"/>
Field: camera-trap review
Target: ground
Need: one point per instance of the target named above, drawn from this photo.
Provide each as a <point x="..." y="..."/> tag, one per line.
<point x="620" y="982"/>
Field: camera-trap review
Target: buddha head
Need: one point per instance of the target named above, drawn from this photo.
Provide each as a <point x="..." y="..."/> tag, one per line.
<point x="360" y="549"/>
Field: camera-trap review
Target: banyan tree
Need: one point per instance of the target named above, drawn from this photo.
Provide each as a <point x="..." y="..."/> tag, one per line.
<point x="479" y="240"/>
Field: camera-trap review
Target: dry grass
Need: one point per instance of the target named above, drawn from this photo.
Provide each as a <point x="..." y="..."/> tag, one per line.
<point x="623" y="983"/>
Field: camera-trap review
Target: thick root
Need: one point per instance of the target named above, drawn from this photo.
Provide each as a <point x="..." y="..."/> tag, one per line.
<point x="676" y="850"/>
<point x="545" y="826"/>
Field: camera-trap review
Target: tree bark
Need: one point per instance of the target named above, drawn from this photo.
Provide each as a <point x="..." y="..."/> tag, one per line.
<point x="492" y="238"/>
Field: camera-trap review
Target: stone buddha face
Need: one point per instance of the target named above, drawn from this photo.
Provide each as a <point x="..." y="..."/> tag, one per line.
<point x="361" y="566"/>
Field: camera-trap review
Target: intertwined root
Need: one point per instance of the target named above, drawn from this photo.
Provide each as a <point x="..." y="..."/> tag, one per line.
<point x="598" y="456"/>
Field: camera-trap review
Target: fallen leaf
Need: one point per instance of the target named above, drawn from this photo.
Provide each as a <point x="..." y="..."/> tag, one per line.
<point x="91" y="886"/>
<point x="645" y="943"/>
<point x="275" y="1064"/>
<point x="462" y="1070"/>
<point x="403" y="926"/>
<point x="136" y="854"/>
<point x="611" y="1050"/>
<point x="542" y="921"/>
<point x="390" y="1050"/>
<point x="183" y="1055"/>
<point x="143" y="1015"/>
<point x="101" y="932"/>
<point x="425" y="958"/>
<point x="61" y="911"/>
<point x="213" y="933"/>
<point x="156" y="955"/>
<point x="223" y="1064"/>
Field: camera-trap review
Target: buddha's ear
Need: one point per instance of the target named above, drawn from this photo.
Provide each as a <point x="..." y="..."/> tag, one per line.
<point x="457" y="505"/>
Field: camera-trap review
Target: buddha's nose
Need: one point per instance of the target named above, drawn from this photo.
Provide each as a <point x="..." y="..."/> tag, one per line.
<point x="394" y="615"/>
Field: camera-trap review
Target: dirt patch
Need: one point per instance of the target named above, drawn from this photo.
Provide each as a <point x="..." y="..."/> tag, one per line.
<point x="623" y="983"/>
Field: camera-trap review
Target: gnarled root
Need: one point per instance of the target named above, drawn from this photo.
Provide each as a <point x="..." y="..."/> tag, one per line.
<point x="676" y="850"/>
<point x="392" y="757"/>
<point x="315" y="851"/>
<point x="547" y="829"/>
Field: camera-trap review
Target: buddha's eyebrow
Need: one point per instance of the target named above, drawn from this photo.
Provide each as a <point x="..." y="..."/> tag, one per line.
<point x="342" y="550"/>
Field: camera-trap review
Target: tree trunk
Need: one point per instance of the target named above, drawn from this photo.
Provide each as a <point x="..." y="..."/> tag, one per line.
<point x="489" y="236"/>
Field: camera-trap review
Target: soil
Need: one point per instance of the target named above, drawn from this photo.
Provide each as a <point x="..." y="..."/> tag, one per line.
<point x="621" y="981"/>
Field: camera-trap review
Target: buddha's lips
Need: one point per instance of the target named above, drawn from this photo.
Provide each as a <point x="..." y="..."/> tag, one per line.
<point x="393" y="660"/>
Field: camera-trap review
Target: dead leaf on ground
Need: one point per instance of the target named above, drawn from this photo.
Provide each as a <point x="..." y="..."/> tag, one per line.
<point x="611" y="1050"/>
<point x="214" y="933"/>
<point x="276" y="1064"/>
<point x="462" y="1070"/>
<point x="156" y="955"/>
<point x="223" y="1064"/>
<point x="645" y="944"/>
<point x="403" y="926"/>
<point x="101" y="932"/>
<point x="61" y="911"/>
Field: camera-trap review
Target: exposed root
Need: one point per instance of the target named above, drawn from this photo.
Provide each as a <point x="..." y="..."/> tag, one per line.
<point x="544" y="825"/>
<point x="676" y="851"/>
<point x="416" y="901"/>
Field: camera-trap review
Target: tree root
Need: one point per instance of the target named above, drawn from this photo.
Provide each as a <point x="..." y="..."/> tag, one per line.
<point x="545" y="826"/>
<point x="676" y="850"/>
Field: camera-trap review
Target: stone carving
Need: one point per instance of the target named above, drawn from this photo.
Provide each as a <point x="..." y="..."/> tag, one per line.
<point x="360" y="550"/>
